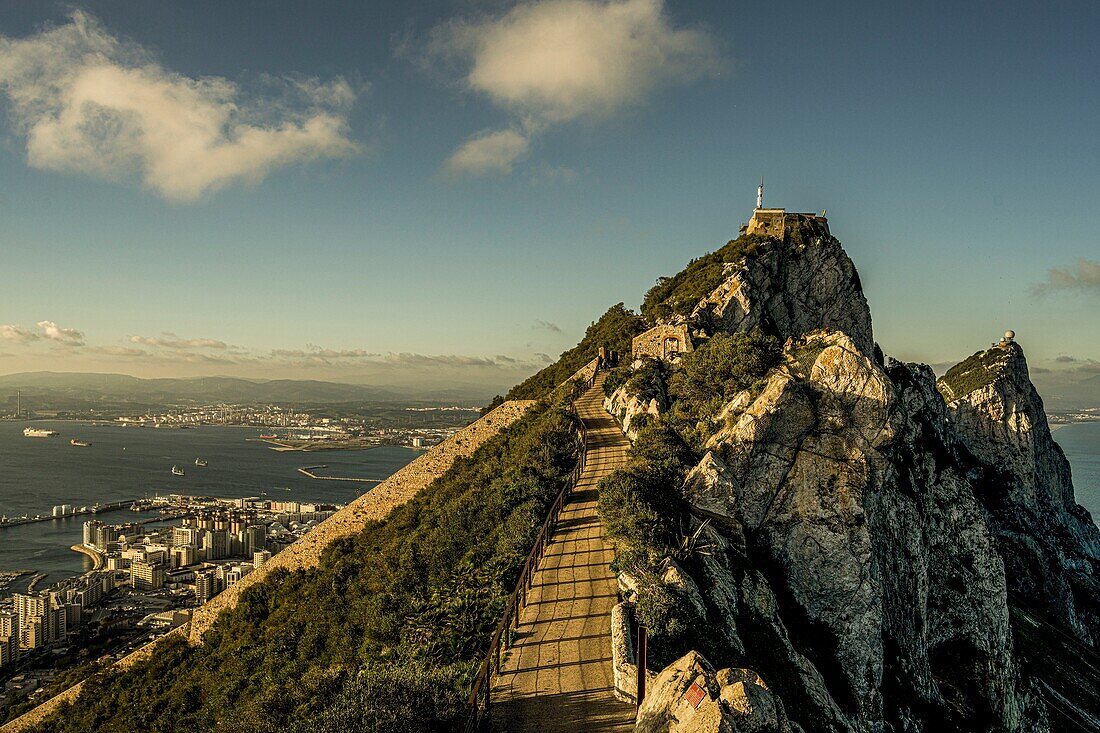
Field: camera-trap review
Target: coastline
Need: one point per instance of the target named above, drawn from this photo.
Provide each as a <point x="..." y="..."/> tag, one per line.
<point x="97" y="558"/>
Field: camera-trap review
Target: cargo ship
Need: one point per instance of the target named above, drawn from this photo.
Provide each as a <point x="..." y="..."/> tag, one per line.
<point x="39" y="433"/>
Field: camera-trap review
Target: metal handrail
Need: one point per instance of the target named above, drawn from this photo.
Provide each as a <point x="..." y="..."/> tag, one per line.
<point x="480" y="691"/>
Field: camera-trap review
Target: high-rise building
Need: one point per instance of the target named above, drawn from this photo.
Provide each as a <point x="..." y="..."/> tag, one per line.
<point x="90" y="528"/>
<point x="215" y="544"/>
<point x="255" y="539"/>
<point x="42" y="619"/>
<point x="260" y="557"/>
<point x="183" y="555"/>
<point x="207" y="585"/>
<point x="146" y="575"/>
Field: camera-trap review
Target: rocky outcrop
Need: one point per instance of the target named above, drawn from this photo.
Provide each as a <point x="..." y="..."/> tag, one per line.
<point x="789" y="288"/>
<point x="887" y="596"/>
<point x="689" y="695"/>
<point x="1050" y="544"/>
<point x="627" y="407"/>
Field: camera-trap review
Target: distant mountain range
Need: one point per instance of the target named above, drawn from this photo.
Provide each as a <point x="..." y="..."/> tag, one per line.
<point x="64" y="390"/>
<point x="1062" y="393"/>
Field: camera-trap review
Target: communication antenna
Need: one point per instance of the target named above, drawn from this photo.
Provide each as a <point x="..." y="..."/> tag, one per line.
<point x="760" y="194"/>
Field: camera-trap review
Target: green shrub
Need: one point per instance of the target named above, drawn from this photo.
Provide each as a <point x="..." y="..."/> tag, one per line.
<point x="615" y="378"/>
<point x="712" y="375"/>
<point x="680" y="294"/>
<point x="615" y="329"/>
<point x="805" y="356"/>
<point x="671" y="621"/>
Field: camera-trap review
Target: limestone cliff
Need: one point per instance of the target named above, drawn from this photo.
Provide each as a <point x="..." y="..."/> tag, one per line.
<point x="1050" y="545"/>
<point x="869" y="538"/>
<point x="789" y="287"/>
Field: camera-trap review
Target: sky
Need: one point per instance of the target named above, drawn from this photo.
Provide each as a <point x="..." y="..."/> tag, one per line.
<point x="452" y="191"/>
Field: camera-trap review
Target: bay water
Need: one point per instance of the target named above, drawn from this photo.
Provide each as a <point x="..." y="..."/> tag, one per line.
<point x="127" y="463"/>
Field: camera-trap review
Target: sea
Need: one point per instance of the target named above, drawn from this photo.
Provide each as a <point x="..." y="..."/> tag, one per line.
<point x="129" y="462"/>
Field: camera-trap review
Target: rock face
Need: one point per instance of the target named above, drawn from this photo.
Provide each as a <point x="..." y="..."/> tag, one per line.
<point x="1049" y="542"/>
<point x="790" y="287"/>
<point x="869" y="534"/>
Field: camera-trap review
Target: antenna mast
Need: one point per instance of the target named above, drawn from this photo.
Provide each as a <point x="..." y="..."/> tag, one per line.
<point x="760" y="194"/>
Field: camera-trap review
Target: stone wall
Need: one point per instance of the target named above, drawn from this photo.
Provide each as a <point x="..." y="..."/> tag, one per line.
<point x="653" y="343"/>
<point x="585" y="373"/>
<point x="306" y="552"/>
<point x="767" y="223"/>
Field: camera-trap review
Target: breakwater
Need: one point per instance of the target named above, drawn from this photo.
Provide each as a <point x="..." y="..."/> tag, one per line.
<point x="83" y="511"/>
<point x="309" y="471"/>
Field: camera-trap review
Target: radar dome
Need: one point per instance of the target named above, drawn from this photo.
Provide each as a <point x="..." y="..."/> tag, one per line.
<point x="1010" y="334"/>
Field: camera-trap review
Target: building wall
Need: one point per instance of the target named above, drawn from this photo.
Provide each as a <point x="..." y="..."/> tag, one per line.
<point x="658" y="343"/>
<point x="767" y="223"/>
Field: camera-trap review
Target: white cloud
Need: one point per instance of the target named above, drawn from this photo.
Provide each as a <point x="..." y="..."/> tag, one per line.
<point x="551" y="61"/>
<point x="67" y="336"/>
<point x="1083" y="277"/>
<point x="18" y="334"/>
<point x="90" y="103"/>
<point x="488" y="153"/>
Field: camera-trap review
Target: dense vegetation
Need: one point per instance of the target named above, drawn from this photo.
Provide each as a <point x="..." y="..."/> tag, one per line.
<point x="976" y="371"/>
<point x="712" y="375"/>
<point x="640" y="505"/>
<point x="385" y="635"/>
<point x="615" y="330"/>
<point x="679" y="294"/>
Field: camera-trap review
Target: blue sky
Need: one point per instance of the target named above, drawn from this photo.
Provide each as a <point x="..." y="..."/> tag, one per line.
<point x="454" y="190"/>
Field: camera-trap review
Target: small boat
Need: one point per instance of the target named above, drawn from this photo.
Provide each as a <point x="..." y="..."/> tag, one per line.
<point x="201" y="463"/>
<point x="273" y="436"/>
<point x="177" y="471"/>
<point x="79" y="443"/>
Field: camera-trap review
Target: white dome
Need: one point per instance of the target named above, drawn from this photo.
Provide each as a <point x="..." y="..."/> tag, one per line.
<point x="1010" y="334"/>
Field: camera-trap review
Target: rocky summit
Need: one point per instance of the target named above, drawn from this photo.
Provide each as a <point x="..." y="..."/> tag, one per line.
<point x="866" y="548"/>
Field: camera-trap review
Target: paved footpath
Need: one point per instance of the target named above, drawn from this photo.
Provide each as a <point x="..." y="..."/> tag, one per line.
<point x="557" y="676"/>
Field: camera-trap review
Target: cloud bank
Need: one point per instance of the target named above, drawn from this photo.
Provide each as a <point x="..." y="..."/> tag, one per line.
<point x="87" y="102"/>
<point x="171" y="354"/>
<point x="547" y="62"/>
<point x="48" y="331"/>
<point x="1084" y="277"/>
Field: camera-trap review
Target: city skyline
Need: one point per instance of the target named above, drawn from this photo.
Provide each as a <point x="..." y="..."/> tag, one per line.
<point x="429" y="194"/>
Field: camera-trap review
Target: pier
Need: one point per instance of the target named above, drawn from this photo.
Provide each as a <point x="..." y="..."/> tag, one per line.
<point x="82" y="512"/>
<point x="309" y="472"/>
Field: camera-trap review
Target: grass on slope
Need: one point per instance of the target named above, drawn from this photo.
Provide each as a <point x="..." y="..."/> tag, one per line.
<point x="385" y="635"/>
<point x="973" y="373"/>
<point x="680" y="293"/>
